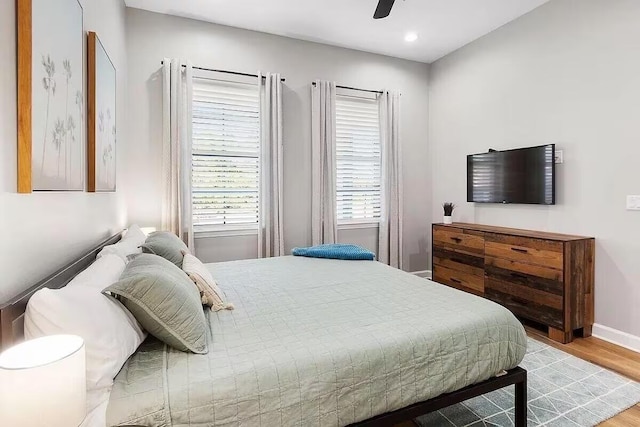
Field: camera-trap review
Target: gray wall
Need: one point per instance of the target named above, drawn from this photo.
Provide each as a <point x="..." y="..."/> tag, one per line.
<point x="566" y="73"/>
<point x="42" y="231"/>
<point x="153" y="36"/>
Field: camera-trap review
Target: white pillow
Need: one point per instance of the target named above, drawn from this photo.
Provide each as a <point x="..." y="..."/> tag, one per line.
<point x="210" y="293"/>
<point x="111" y="334"/>
<point x="104" y="272"/>
<point x="128" y="245"/>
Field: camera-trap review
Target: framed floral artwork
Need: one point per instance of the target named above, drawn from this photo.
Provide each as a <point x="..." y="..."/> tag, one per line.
<point x="101" y="120"/>
<point x="51" y="107"/>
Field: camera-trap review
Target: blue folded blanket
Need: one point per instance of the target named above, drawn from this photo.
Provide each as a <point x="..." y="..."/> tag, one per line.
<point x="336" y="251"/>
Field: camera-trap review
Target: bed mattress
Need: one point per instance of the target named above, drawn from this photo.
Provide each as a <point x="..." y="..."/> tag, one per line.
<point x="315" y="342"/>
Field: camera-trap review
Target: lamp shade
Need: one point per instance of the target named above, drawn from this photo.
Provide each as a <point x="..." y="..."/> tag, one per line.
<point x="42" y="383"/>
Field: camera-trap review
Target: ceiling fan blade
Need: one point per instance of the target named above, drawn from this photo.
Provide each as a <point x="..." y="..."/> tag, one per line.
<point x="384" y="9"/>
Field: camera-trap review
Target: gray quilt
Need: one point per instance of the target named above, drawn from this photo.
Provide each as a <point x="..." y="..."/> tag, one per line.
<point x="318" y="343"/>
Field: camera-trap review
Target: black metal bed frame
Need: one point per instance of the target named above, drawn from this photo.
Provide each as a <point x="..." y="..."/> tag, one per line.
<point x="516" y="376"/>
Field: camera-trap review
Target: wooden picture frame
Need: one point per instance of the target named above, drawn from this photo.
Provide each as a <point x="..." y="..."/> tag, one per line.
<point x="101" y="118"/>
<point x="50" y="92"/>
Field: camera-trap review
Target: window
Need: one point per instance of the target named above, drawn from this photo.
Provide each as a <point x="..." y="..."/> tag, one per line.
<point x="358" y="154"/>
<point x="226" y="153"/>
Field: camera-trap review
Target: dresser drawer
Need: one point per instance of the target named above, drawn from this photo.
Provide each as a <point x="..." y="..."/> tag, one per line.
<point x="520" y="268"/>
<point x="458" y="261"/>
<point x="546" y="253"/>
<point x="529" y="310"/>
<point x="457" y="240"/>
<point x="551" y="286"/>
<point x="542" y="303"/>
<point x="459" y="279"/>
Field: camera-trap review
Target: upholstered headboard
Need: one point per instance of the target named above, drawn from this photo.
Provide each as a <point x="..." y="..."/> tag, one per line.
<point x="12" y="311"/>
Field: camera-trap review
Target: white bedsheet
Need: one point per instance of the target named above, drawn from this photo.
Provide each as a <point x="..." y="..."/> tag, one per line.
<point x="97" y="402"/>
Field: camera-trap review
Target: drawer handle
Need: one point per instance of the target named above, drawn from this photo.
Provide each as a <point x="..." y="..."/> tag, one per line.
<point x="459" y="282"/>
<point x="458" y="260"/>
<point x="456" y="239"/>
<point x="519" y="276"/>
<point x="522" y="251"/>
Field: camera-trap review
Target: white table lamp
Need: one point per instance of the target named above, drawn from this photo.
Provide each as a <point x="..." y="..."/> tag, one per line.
<point x="42" y="383"/>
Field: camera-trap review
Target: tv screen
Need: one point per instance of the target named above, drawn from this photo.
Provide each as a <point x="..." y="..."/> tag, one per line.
<point x="525" y="175"/>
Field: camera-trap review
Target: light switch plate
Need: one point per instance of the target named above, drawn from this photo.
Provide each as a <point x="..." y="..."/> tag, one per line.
<point x="633" y="203"/>
<point x="559" y="157"/>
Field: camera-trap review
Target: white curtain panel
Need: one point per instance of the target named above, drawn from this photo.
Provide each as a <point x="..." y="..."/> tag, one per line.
<point x="176" y="149"/>
<point x="270" y="227"/>
<point x="390" y="239"/>
<point x="323" y="163"/>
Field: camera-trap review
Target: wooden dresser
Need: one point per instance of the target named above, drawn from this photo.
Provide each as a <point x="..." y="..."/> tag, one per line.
<point x="544" y="277"/>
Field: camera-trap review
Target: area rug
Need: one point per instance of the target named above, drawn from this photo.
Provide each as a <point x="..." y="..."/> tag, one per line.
<point x="563" y="390"/>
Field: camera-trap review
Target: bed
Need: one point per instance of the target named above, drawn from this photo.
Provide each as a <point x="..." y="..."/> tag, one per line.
<point x="319" y="342"/>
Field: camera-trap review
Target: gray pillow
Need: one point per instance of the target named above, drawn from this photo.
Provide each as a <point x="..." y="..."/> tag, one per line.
<point x="165" y="302"/>
<point x="167" y="245"/>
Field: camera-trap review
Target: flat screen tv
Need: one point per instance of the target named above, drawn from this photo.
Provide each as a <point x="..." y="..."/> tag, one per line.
<point x="524" y="175"/>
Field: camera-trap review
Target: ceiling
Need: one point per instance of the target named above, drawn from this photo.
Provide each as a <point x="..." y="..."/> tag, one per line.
<point x="442" y="26"/>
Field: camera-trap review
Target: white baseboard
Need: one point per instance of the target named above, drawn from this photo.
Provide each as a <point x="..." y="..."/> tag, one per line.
<point x="424" y="273"/>
<point x="617" y="337"/>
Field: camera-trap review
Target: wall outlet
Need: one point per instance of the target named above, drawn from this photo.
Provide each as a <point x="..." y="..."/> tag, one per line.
<point x="633" y="203"/>
<point x="559" y="157"/>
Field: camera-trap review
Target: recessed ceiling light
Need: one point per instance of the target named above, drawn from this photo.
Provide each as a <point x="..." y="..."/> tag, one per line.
<point x="410" y="37"/>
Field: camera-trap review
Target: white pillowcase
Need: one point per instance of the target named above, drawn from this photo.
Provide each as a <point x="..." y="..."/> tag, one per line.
<point x="104" y="272"/>
<point x="128" y="245"/>
<point x="111" y="334"/>
<point x="210" y="293"/>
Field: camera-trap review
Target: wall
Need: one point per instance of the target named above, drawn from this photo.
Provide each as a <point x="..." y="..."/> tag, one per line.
<point x="42" y="231"/>
<point x="566" y="73"/>
<point x="153" y="36"/>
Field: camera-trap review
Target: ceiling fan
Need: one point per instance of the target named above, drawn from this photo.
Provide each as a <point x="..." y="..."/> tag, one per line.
<point x="384" y="9"/>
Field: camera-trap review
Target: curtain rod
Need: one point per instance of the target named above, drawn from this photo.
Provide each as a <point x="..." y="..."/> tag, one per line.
<point x="235" y="73"/>
<point x="354" y="88"/>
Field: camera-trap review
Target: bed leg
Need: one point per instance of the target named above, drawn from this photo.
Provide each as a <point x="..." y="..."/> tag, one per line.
<point x="521" y="402"/>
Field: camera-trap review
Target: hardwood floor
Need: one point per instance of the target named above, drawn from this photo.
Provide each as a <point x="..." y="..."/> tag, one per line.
<point x="602" y="353"/>
<point x="610" y="356"/>
<point x="628" y="418"/>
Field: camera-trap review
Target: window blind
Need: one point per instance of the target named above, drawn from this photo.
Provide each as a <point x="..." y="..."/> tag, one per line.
<point x="358" y="159"/>
<point x="226" y="153"/>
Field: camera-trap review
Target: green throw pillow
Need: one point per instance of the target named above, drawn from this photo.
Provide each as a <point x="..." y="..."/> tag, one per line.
<point x="167" y="245"/>
<point x="165" y="302"/>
